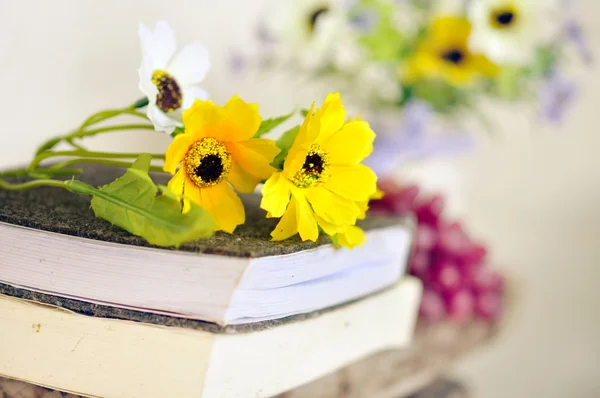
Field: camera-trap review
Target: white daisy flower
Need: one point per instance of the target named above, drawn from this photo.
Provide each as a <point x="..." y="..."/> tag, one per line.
<point x="509" y="31"/>
<point x="307" y="30"/>
<point x="170" y="80"/>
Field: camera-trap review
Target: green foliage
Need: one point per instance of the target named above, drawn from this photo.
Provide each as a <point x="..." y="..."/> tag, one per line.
<point x="269" y="124"/>
<point x="177" y="131"/>
<point x="130" y="202"/>
<point x="46" y="146"/>
<point x="335" y="241"/>
<point x="509" y="84"/>
<point x="384" y="42"/>
<point x="544" y="62"/>
<point x="442" y="96"/>
<point x="142" y="102"/>
<point x="284" y="143"/>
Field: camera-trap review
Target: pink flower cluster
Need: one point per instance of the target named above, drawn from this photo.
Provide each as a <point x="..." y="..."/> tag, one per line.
<point x="458" y="286"/>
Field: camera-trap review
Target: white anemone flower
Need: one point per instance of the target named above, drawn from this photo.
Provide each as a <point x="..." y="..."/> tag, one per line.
<point x="307" y="30"/>
<point x="509" y="31"/>
<point x="170" y="80"/>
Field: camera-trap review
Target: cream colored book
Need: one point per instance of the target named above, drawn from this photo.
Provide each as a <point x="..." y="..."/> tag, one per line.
<point x="103" y="357"/>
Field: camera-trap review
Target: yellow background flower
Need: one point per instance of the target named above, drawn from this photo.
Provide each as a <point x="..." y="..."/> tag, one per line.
<point x="216" y="150"/>
<point x="323" y="183"/>
<point x="445" y="54"/>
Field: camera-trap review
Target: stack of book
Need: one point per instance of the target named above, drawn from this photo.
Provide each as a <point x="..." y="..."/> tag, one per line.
<point x="89" y="309"/>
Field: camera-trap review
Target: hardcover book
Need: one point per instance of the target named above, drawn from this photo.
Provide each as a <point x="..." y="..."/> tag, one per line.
<point x="50" y="242"/>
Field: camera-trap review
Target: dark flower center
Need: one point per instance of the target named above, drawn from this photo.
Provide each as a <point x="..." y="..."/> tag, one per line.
<point x="313" y="165"/>
<point x="454" y="56"/>
<point x="169" y="97"/>
<point x="505" y="18"/>
<point x="210" y="168"/>
<point x="314" y="169"/>
<point x="207" y="162"/>
<point x="314" y="17"/>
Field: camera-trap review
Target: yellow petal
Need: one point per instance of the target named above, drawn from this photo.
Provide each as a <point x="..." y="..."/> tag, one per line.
<point x="379" y="194"/>
<point x="255" y="156"/>
<point x="306" y="136"/>
<point x="244" y="117"/>
<point x="351" y="144"/>
<point x="331" y="116"/>
<point x="177" y="151"/>
<point x="224" y="205"/>
<point x="485" y="66"/>
<point x="364" y="207"/>
<point x="177" y="182"/>
<point x="202" y="119"/>
<point x="355" y="182"/>
<point x="276" y="195"/>
<point x="242" y="181"/>
<point x="307" y="224"/>
<point x="287" y="226"/>
<point x="191" y="193"/>
<point x="331" y="207"/>
<point x="329" y="228"/>
<point x="353" y="236"/>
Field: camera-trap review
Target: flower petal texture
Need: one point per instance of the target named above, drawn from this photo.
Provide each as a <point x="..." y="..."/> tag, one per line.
<point x="214" y="155"/>
<point x="170" y="80"/>
<point x="323" y="184"/>
<point x="445" y="54"/>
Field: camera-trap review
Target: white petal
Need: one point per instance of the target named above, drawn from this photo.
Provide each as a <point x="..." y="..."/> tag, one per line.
<point x="145" y="72"/>
<point x="161" y="121"/>
<point x="147" y="39"/>
<point x="190" y="65"/>
<point x="164" y="45"/>
<point x="190" y="94"/>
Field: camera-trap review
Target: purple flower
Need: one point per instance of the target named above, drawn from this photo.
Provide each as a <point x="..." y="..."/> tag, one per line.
<point x="237" y="63"/>
<point x="365" y="21"/>
<point x="414" y="140"/>
<point x="575" y="31"/>
<point x="556" y="94"/>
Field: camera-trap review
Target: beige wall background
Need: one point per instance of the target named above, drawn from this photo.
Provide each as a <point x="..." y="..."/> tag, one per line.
<point x="532" y="192"/>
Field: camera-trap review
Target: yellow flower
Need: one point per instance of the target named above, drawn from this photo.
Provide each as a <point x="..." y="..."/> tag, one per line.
<point x="323" y="183"/>
<point x="445" y="54"/>
<point x="216" y="151"/>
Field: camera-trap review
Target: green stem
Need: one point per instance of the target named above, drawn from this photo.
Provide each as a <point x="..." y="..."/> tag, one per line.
<point x="110" y="162"/>
<point x="107" y="114"/>
<point x="97" y="118"/>
<point x="85" y="154"/>
<point x="39" y="172"/>
<point x="70" y="141"/>
<point x="33" y="184"/>
<point x="89" y="133"/>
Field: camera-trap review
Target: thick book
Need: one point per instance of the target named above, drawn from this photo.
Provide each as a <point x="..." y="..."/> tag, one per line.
<point x="51" y="242"/>
<point x="54" y="342"/>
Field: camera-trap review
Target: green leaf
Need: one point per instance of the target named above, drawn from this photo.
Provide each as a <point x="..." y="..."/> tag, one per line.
<point x="142" y="102"/>
<point x="304" y="112"/>
<point x="510" y="83"/>
<point x="130" y="202"/>
<point x="335" y="241"/>
<point x="284" y="143"/>
<point x="177" y="131"/>
<point x="269" y="124"/>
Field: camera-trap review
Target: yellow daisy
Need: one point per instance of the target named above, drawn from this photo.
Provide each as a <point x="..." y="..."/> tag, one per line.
<point x="323" y="183"/>
<point x="444" y="54"/>
<point x="216" y="152"/>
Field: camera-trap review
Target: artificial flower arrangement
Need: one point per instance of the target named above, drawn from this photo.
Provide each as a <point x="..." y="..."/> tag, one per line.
<point x="425" y="57"/>
<point x="313" y="178"/>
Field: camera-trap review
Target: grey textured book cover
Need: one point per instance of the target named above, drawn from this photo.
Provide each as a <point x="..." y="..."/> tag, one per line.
<point x="57" y="210"/>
